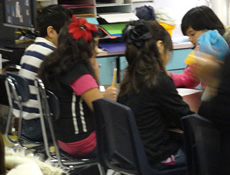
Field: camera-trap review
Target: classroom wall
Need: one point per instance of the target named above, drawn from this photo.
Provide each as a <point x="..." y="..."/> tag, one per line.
<point x="174" y="8"/>
<point x="177" y="8"/>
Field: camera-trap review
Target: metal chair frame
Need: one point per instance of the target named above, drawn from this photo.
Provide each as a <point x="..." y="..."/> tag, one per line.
<point x="15" y="96"/>
<point x="49" y="115"/>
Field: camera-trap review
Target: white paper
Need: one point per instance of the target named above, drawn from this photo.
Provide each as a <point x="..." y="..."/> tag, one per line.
<point x="102" y="88"/>
<point x="186" y="91"/>
<point x="119" y="17"/>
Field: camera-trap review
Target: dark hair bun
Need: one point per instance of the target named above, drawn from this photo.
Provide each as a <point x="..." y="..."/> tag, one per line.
<point x="136" y="33"/>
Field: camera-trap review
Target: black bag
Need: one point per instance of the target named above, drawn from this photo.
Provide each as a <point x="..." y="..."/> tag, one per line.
<point x="145" y="13"/>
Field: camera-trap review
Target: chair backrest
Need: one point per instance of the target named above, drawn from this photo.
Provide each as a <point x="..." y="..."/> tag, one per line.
<point x="17" y="88"/>
<point x="118" y="143"/>
<point x="44" y="97"/>
<point x="202" y="145"/>
<point x="22" y="86"/>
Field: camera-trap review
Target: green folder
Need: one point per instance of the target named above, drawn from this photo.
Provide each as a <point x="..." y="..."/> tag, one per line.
<point x="114" y="29"/>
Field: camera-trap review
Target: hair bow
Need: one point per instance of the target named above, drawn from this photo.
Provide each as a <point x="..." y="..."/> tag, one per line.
<point x="81" y="28"/>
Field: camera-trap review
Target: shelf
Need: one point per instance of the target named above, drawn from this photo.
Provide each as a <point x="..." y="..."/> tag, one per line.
<point x="111" y="4"/>
<point x="142" y="1"/>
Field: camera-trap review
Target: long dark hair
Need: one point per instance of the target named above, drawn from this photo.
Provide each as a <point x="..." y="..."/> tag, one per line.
<point x="201" y="18"/>
<point x="68" y="52"/>
<point x="144" y="62"/>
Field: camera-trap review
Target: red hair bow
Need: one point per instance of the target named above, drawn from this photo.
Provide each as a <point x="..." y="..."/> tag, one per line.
<point x="81" y="28"/>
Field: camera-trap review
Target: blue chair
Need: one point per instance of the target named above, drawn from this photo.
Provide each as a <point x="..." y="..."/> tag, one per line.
<point x="18" y="92"/>
<point x="50" y="112"/>
<point x="119" y="146"/>
<point x="202" y="145"/>
<point x="3" y="94"/>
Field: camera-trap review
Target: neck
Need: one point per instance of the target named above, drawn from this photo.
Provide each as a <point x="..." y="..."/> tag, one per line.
<point x="49" y="39"/>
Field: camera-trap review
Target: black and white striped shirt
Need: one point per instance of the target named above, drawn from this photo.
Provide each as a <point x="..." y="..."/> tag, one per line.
<point x="30" y="64"/>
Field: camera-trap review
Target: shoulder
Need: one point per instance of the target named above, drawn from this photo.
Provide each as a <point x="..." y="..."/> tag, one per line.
<point x="74" y="72"/>
<point x="37" y="51"/>
<point x="165" y="81"/>
<point x="41" y="45"/>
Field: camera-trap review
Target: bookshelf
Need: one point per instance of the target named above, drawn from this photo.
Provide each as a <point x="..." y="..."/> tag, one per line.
<point x="96" y="7"/>
<point x="113" y="6"/>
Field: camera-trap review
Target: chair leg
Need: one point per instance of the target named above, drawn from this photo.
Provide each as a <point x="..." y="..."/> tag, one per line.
<point x="101" y="169"/>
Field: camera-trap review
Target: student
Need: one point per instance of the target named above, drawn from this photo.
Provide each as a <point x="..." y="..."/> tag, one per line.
<point x="49" y="21"/>
<point x="151" y="94"/>
<point x="72" y="73"/>
<point x="217" y="109"/>
<point x="195" y="22"/>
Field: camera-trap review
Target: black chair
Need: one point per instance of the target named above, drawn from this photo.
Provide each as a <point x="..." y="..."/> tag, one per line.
<point x="202" y="145"/>
<point x="49" y="107"/>
<point x="3" y="94"/>
<point x="119" y="146"/>
<point x="18" y="92"/>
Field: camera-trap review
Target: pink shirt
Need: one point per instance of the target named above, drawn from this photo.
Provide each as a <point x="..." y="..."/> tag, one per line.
<point x="83" y="84"/>
<point x="185" y="79"/>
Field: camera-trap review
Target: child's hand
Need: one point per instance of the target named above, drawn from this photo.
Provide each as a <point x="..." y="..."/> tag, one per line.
<point x="208" y="70"/>
<point x="168" y="73"/>
<point x="111" y="93"/>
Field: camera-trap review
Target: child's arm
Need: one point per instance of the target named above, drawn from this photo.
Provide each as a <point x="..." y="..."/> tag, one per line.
<point x="91" y="95"/>
<point x="185" y="79"/>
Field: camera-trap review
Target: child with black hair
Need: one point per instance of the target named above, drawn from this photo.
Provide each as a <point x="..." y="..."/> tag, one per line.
<point x="205" y="31"/>
<point x="151" y="94"/>
<point x="72" y="73"/>
<point x="49" y="21"/>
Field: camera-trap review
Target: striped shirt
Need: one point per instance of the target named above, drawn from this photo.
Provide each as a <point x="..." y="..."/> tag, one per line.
<point x="30" y="63"/>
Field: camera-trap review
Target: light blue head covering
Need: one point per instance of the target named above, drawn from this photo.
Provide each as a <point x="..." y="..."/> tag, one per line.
<point x="212" y="43"/>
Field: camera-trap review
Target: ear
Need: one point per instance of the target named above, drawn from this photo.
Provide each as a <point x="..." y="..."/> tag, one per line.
<point x="50" y="31"/>
<point x="160" y="46"/>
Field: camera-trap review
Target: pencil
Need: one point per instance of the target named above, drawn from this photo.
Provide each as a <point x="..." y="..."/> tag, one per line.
<point x="114" y="77"/>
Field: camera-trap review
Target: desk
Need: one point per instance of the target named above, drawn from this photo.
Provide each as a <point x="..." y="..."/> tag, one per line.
<point x="193" y="100"/>
<point x="118" y="60"/>
<point x="117" y="56"/>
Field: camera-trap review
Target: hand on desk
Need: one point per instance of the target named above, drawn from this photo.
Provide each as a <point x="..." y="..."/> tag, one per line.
<point x="111" y="93"/>
<point x="176" y="130"/>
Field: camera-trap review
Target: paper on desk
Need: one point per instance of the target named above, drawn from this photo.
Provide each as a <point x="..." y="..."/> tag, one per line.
<point x="119" y="17"/>
<point x="102" y="88"/>
<point x="186" y="91"/>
